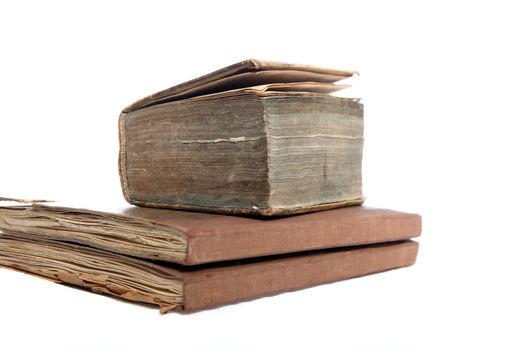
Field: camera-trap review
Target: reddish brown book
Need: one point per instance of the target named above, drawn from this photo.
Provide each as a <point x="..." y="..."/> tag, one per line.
<point x="189" y="288"/>
<point x="191" y="238"/>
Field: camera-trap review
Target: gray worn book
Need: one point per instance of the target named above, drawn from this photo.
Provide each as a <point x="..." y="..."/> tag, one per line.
<point x="256" y="137"/>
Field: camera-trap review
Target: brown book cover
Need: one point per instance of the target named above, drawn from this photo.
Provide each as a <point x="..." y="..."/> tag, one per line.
<point x="188" y="288"/>
<point x="261" y="138"/>
<point x="191" y="238"/>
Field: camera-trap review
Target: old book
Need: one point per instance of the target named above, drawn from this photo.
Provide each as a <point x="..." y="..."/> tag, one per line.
<point x="190" y="289"/>
<point x="256" y="137"/>
<point x="191" y="238"/>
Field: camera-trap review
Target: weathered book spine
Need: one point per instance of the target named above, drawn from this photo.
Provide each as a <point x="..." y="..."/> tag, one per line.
<point x="210" y="288"/>
<point x="275" y="154"/>
<point x="182" y="156"/>
<point x="341" y="227"/>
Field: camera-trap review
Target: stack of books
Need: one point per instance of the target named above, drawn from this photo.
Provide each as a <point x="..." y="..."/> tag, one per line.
<point x="246" y="183"/>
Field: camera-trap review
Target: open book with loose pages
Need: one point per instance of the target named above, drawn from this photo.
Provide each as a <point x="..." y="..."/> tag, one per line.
<point x="257" y="137"/>
<point x="191" y="238"/>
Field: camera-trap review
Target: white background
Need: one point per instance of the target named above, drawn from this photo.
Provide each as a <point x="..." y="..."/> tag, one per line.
<point x="443" y="86"/>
